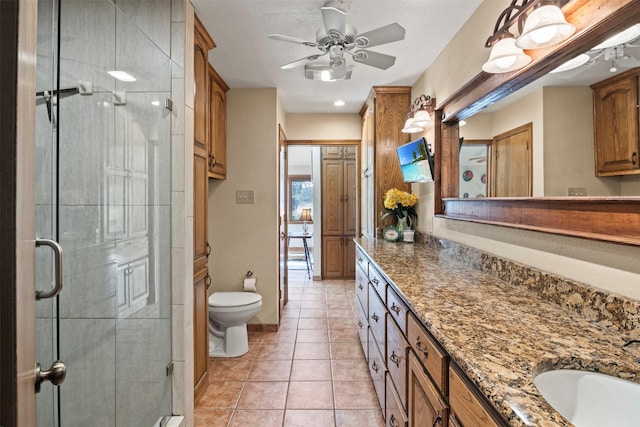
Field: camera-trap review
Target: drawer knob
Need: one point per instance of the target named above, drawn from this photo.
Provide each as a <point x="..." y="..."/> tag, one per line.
<point x="360" y="286"/>
<point x="375" y="317"/>
<point x="375" y="281"/>
<point x="360" y="324"/>
<point x="421" y="349"/>
<point x="392" y="421"/>
<point x="395" y="359"/>
<point x="359" y="259"/>
<point x="395" y="308"/>
<point x="375" y="366"/>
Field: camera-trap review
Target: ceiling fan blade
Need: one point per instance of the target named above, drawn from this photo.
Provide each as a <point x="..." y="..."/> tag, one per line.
<point x="374" y="59"/>
<point x="334" y="20"/>
<point x="290" y="39"/>
<point x="300" y="61"/>
<point x="387" y="34"/>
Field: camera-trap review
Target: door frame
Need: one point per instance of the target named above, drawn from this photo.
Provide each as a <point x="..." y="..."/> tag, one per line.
<point x="330" y="142"/>
<point x="18" y="28"/>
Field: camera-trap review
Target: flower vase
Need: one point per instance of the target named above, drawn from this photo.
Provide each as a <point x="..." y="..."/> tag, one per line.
<point x="402" y="226"/>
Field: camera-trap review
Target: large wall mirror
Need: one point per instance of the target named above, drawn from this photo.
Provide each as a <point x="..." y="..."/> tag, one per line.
<point x="545" y="125"/>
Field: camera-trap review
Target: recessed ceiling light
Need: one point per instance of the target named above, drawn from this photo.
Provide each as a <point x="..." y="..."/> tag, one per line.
<point x="122" y="76"/>
<point x="339" y="103"/>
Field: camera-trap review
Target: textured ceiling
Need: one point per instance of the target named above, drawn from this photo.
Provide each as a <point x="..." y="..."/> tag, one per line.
<point x="246" y="58"/>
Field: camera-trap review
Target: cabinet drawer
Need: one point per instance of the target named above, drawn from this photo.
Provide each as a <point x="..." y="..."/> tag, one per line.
<point x="377" y="371"/>
<point x="466" y="407"/>
<point x="378" y="282"/>
<point x="397" y="348"/>
<point x="362" y="261"/>
<point x="426" y="406"/>
<point x="362" y="289"/>
<point x="363" y="331"/>
<point x="397" y="309"/>
<point x="377" y="319"/>
<point x="396" y="416"/>
<point x="428" y="352"/>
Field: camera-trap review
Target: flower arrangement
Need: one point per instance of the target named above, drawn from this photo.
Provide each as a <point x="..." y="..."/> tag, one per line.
<point x="399" y="203"/>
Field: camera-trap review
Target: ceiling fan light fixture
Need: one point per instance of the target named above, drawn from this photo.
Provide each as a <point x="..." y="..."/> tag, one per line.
<point x="505" y="56"/>
<point x="545" y="26"/>
<point x="324" y="73"/>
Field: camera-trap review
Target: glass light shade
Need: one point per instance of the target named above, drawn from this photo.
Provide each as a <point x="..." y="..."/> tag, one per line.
<point x="545" y="26"/>
<point x="421" y="119"/>
<point x="572" y="63"/>
<point x="623" y="37"/>
<point x="505" y="56"/>
<point x="409" y="127"/>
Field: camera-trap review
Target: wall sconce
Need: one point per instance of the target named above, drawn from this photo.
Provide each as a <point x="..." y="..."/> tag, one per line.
<point x="304" y="217"/>
<point x="419" y="115"/>
<point x="541" y="23"/>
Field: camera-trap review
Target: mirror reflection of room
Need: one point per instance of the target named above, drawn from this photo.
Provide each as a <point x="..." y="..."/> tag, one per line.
<point x="564" y="149"/>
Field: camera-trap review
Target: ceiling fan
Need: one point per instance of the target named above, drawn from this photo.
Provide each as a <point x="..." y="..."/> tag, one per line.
<point x="338" y="38"/>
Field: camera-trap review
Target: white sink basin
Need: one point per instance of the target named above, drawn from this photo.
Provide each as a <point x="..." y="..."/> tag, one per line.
<point x="591" y="399"/>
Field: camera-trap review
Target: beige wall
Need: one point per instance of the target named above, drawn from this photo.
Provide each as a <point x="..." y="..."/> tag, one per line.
<point x="323" y="126"/>
<point x="607" y="266"/>
<point x="245" y="236"/>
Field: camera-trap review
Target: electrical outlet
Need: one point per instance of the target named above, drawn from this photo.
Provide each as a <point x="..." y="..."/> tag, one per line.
<point x="577" y="191"/>
<point x="244" y="197"/>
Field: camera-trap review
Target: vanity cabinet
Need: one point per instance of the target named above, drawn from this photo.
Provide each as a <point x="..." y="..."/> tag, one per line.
<point x="383" y="116"/>
<point x="415" y="381"/>
<point x="467" y="409"/>
<point x="617" y="124"/>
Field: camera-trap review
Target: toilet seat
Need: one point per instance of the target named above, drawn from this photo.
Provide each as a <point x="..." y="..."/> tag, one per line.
<point x="233" y="299"/>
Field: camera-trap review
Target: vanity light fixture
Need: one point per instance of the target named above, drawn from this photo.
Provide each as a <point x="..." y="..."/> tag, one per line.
<point x="540" y="23"/>
<point x="419" y="115"/>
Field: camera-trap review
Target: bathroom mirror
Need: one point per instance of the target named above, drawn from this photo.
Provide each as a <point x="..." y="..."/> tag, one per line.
<point x="602" y="216"/>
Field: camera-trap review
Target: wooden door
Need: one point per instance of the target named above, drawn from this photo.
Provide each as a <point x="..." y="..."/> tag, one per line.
<point x="617" y="138"/>
<point x="425" y="406"/>
<point x="283" y="279"/>
<point x="511" y="163"/>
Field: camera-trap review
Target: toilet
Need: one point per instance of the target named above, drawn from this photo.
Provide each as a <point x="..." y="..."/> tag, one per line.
<point x="228" y="316"/>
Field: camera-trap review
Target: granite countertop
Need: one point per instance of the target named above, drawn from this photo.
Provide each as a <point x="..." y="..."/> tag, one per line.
<point x="501" y="335"/>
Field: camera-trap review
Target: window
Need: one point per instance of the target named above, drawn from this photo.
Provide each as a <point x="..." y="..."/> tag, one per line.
<point x="300" y="195"/>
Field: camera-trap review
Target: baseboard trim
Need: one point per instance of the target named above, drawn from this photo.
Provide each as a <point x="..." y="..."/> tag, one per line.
<point x="262" y="328"/>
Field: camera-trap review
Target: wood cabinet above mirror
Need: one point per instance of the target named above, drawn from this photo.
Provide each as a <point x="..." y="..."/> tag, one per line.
<point x="613" y="219"/>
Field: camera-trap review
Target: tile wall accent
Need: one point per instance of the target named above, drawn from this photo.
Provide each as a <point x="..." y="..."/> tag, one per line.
<point x="606" y="308"/>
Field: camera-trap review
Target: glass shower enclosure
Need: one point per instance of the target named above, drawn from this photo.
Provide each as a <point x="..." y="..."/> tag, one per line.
<point x="103" y="162"/>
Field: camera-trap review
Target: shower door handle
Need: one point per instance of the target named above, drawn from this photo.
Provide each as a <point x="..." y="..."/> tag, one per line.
<point x="55" y="375"/>
<point x="57" y="262"/>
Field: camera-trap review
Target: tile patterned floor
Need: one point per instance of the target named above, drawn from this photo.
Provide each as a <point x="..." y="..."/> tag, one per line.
<point x="310" y="373"/>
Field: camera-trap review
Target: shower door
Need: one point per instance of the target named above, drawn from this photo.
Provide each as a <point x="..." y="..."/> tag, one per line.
<point x="103" y="185"/>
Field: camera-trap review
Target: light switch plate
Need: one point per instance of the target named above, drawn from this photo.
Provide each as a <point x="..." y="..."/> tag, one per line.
<point x="244" y="197"/>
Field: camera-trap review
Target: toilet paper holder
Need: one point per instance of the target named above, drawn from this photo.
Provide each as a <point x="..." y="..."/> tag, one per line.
<point x="249" y="274"/>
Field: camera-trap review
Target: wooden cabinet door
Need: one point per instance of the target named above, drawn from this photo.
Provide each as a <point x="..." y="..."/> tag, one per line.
<point x="217" y="126"/>
<point x="332" y="198"/>
<point x="350" y="204"/>
<point x="349" y="258"/>
<point x="616" y="128"/>
<point x="200" y="334"/>
<point x="332" y="257"/>
<point x="466" y="408"/>
<point x="202" y="45"/>
<point x="425" y="405"/>
<point x="200" y="202"/>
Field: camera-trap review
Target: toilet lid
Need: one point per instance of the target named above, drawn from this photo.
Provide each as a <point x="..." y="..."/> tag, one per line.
<point x="233" y="299"/>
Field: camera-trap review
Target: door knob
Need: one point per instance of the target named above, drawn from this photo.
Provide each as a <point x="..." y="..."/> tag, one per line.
<point x="55" y="375"/>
